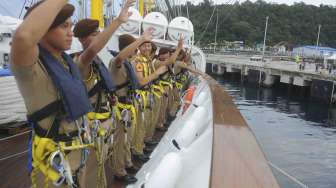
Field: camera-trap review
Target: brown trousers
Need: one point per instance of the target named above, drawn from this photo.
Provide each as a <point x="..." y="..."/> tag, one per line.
<point x="153" y="117"/>
<point x="93" y="179"/>
<point x="119" y="150"/>
<point x="139" y="132"/>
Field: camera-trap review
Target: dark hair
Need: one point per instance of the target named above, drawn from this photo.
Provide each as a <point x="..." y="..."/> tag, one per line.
<point x="164" y="50"/>
<point x="85" y="27"/>
<point x="125" y="40"/>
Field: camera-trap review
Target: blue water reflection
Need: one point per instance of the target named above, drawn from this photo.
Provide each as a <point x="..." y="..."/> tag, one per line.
<point x="296" y="134"/>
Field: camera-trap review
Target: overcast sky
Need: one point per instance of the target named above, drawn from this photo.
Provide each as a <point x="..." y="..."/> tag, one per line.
<point x="13" y="7"/>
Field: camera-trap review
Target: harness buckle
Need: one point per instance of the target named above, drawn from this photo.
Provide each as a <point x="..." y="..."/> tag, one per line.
<point x="84" y="134"/>
<point x="126" y="117"/>
<point x="57" y="163"/>
<point x="151" y="100"/>
<point x="140" y="100"/>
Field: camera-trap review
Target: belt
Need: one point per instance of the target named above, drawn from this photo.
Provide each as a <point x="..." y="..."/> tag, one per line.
<point x="59" y="137"/>
<point x="124" y="99"/>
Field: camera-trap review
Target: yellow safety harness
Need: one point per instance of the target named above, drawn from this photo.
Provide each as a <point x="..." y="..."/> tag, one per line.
<point x="42" y="153"/>
<point x="166" y="83"/>
<point x="100" y="134"/>
<point x="141" y="98"/>
<point x="121" y="106"/>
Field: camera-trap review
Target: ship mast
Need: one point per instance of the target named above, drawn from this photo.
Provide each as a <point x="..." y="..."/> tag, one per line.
<point x="216" y="32"/>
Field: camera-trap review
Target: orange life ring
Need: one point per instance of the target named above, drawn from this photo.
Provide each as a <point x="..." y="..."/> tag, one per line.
<point x="188" y="98"/>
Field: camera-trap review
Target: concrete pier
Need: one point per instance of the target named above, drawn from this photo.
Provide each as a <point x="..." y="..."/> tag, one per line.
<point x="217" y="69"/>
<point x="266" y="73"/>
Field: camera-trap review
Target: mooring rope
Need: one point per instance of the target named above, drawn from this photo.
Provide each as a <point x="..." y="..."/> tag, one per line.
<point x="288" y="175"/>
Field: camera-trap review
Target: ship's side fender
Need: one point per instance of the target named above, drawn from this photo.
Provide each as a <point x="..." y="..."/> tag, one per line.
<point x="166" y="173"/>
<point x="193" y="127"/>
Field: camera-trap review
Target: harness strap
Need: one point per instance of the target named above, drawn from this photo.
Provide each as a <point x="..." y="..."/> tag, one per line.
<point x="129" y="107"/>
<point x="46" y="111"/>
<point x="142" y="95"/>
<point x="98" y="116"/>
<point x="178" y="85"/>
<point x="53" y="133"/>
<point x="157" y="90"/>
<point x="120" y="86"/>
<point x="166" y="83"/>
<point x="96" y="88"/>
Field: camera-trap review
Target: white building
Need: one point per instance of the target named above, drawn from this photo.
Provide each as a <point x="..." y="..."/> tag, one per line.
<point x="314" y="51"/>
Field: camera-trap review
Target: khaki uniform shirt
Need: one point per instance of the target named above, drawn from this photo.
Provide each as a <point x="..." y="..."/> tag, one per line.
<point x="90" y="78"/>
<point x="119" y="76"/>
<point x="38" y="91"/>
<point x="177" y="69"/>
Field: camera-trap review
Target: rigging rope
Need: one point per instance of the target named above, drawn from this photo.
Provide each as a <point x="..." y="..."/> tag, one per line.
<point x="206" y="25"/>
<point x="287" y="175"/>
<point x="14" y="155"/>
<point x="10" y="137"/>
<point x="202" y="35"/>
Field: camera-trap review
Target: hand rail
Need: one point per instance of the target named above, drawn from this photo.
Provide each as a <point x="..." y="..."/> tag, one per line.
<point x="237" y="158"/>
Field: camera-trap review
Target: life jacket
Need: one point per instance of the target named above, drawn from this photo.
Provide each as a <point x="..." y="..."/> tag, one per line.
<point x="105" y="81"/>
<point x="133" y="81"/>
<point x="68" y="83"/>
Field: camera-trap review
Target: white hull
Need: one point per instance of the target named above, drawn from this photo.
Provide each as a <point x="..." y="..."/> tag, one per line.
<point x="189" y="166"/>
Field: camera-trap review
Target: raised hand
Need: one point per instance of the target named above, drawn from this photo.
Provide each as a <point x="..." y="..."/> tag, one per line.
<point x="188" y="57"/>
<point x="124" y="14"/>
<point x="147" y="34"/>
<point x="180" y="42"/>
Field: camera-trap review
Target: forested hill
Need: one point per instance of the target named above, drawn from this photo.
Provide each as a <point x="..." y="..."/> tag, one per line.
<point x="296" y="24"/>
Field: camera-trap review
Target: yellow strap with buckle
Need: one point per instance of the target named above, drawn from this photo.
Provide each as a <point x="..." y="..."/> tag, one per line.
<point x="157" y="90"/>
<point x="41" y="151"/>
<point x="75" y="145"/>
<point x="98" y="116"/>
<point x="165" y="83"/>
<point x="178" y="85"/>
<point x="143" y="95"/>
<point x="129" y="107"/>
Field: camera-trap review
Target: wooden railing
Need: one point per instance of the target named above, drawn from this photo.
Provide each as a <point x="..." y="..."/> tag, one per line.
<point x="237" y="160"/>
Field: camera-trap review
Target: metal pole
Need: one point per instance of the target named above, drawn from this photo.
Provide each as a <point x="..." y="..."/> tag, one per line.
<point x="81" y="11"/>
<point x="216" y="33"/>
<point x="318" y="36"/>
<point x="332" y="94"/>
<point x="187" y="10"/>
<point x="263" y="53"/>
